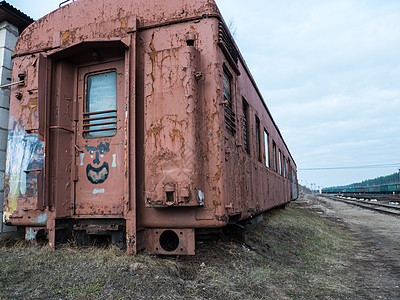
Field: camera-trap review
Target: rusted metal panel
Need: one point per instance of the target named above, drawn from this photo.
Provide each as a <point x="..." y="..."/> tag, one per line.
<point x="170" y="241"/>
<point x="158" y="158"/>
<point x="172" y="153"/>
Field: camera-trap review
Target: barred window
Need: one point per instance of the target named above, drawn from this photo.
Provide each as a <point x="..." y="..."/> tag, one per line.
<point x="100" y="117"/>
<point x="258" y="139"/>
<point x="228" y="111"/>
<point x="274" y="156"/>
<point x="287" y="168"/>
<point x="246" y="126"/>
<point x="266" y="146"/>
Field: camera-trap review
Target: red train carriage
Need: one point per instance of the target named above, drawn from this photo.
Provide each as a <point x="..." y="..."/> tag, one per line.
<point x="138" y="120"/>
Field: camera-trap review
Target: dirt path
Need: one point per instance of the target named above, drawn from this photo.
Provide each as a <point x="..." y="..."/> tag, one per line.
<point x="375" y="267"/>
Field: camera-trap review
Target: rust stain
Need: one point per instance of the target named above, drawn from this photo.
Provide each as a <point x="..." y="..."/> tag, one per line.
<point x="123" y="22"/>
<point x="176" y="122"/>
<point x="151" y="46"/>
<point x="166" y="155"/>
<point x="217" y="175"/>
<point x="32" y="107"/>
<point x="67" y="36"/>
<point x="216" y="203"/>
<point x="176" y="133"/>
<point x="155" y="129"/>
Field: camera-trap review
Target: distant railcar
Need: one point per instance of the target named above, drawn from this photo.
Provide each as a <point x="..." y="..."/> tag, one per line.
<point x="138" y="120"/>
<point x="379" y="189"/>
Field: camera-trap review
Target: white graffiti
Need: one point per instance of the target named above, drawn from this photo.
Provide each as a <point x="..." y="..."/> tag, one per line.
<point x="114" y="162"/>
<point x="98" y="191"/>
<point x="201" y="197"/>
<point x="24" y="152"/>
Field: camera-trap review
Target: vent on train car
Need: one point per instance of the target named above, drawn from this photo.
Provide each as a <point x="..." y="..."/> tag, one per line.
<point x="225" y="41"/>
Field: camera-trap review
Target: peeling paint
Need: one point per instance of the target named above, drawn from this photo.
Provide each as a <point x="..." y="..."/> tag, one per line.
<point x="25" y="152"/>
<point x="42" y="219"/>
<point x="201" y="197"/>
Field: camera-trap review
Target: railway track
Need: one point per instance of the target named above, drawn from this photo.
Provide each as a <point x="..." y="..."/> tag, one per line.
<point x="379" y="197"/>
<point x="390" y="209"/>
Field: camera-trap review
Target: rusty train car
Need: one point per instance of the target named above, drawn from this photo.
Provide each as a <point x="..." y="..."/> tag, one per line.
<point x="140" y="121"/>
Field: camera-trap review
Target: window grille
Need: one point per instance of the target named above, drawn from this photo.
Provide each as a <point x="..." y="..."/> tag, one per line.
<point x="228" y="110"/>
<point x="246" y="126"/>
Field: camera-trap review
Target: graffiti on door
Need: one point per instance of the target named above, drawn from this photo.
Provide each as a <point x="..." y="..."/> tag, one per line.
<point x="98" y="170"/>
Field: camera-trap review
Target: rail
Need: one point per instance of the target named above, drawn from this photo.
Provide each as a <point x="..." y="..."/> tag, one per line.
<point x="62" y="3"/>
<point x="390" y="209"/>
<point x="11" y="84"/>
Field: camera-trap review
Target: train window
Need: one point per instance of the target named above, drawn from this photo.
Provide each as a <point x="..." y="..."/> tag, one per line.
<point x="228" y="111"/>
<point x="284" y="165"/>
<point x="100" y="118"/>
<point x="274" y="156"/>
<point x="246" y="126"/>
<point x="258" y="139"/>
<point x="280" y="162"/>
<point x="287" y="168"/>
<point x="266" y="146"/>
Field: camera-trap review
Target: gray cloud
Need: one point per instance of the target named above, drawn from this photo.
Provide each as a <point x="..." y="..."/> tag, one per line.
<point x="330" y="73"/>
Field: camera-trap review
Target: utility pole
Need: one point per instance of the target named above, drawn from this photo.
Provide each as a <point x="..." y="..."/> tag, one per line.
<point x="398" y="184"/>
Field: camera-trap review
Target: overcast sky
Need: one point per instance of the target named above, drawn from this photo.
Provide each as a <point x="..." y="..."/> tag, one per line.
<point x="329" y="72"/>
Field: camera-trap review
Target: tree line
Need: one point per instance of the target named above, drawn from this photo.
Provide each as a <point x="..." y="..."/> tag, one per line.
<point x="382" y="180"/>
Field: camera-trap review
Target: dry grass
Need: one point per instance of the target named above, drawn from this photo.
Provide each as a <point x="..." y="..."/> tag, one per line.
<point x="293" y="254"/>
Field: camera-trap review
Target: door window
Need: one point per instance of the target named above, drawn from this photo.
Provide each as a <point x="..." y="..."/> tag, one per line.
<point x="100" y="118"/>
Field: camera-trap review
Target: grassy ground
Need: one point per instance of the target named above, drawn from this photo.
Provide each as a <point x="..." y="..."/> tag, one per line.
<point x="294" y="254"/>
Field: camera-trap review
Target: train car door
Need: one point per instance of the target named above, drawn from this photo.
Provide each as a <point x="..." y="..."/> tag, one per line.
<point x="100" y="155"/>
